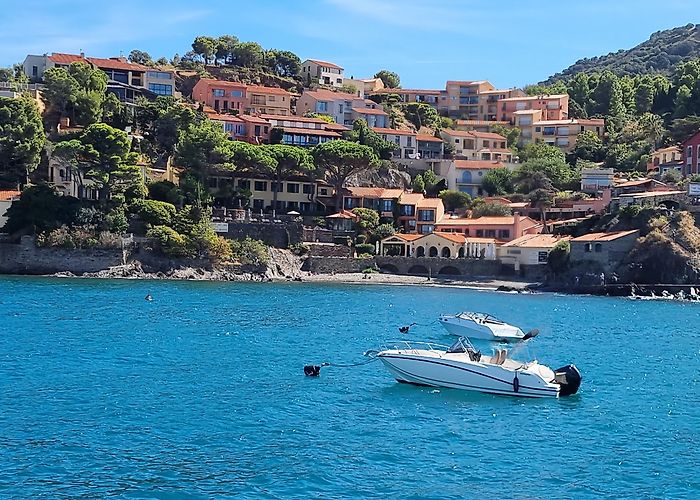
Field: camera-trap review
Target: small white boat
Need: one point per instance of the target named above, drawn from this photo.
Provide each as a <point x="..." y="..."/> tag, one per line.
<point x="480" y="326"/>
<point x="461" y="366"/>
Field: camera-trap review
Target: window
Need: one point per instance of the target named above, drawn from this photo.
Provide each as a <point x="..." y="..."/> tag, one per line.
<point x="228" y="127"/>
<point x="427" y="229"/>
<point x="292" y="187"/>
<point x="490" y="233"/>
<point x="160" y="75"/>
<point x="261" y="185"/>
<point x="35" y="71"/>
<point x="218" y="92"/>
<point x="387" y="205"/>
<point x="257" y="130"/>
<point x="322" y="107"/>
<point x="236" y="93"/>
<point x="307" y="189"/>
<point x="598" y="247"/>
<point x="323" y="191"/>
<point x="426" y="215"/>
<point x="504" y="234"/>
<point x="542" y="257"/>
<point x="244" y="184"/>
<point x="270" y="98"/>
<point x="486" y="144"/>
<point x="587" y="247"/>
<point x="549" y="130"/>
<point x="689" y="152"/>
<point x="305" y="207"/>
<point x="225" y="105"/>
<point x="339" y="80"/>
<point x="216" y="105"/>
<point x="258" y="204"/>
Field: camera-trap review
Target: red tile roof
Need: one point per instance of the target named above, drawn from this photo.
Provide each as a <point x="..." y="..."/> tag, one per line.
<point x="223" y="83"/>
<point x="9" y="195"/>
<point x="325" y="63"/>
<point x="255" y="89"/>
<point x="406" y="91"/>
<point x="374" y="192"/>
<point x="294" y="118"/>
<point x="605" y="236"/>
<point x="253" y="119"/>
<point x="427" y="138"/>
<point x="323" y="95"/>
<point x="60" y="58"/>
<point x="536" y="241"/>
<point x="337" y="126"/>
<point x="392" y="131"/>
<point x="474" y="134"/>
<point x="116" y="64"/>
<point x="406" y="236"/>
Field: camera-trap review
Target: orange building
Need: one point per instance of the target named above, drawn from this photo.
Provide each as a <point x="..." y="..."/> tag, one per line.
<point x="221" y="95"/>
<point x="268" y="100"/>
<point x="552" y="107"/>
<point x="505" y="228"/>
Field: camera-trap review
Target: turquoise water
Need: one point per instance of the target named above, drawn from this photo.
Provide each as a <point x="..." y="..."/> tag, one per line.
<point x="200" y="394"/>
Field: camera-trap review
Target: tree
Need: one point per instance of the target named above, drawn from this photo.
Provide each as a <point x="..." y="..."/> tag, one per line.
<point x="21" y="140"/>
<point x="162" y="122"/>
<point x="530" y="181"/>
<point x="202" y="148"/>
<point x="390" y="79"/>
<point x="368" y="219"/>
<point x="558" y="258"/>
<point x="542" y="199"/>
<point x="589" y="146"/>
<point x="284" y="63"/>
<point x="248" y="54"/>
<point x="512" y="134"/>
<point x="383" y="231"/>
<point x="364" y="135"/>
<point x="60" y="90"/>
<point x="78" y="92"/>
<point x="40" y="208"/>
<point x="224" y="48"/>
<point x="418" y="184"/>
<point x="540" y="150"/>
<point x="205" y="47"/>
<point x="454" y="200"/>
<point x="140" y="57"/>
<point x="114" y="112"/>
<point x="653" y="127"/>
<point x="491" y="209"/>
<point x="431" y="182"/>
<point x="498" y="181"/>
<point x="421" y="114"/>
<point x="102" y="154"/>
<point x="338" y="160"/>
<point x="276" y="135"/>
<point x="289" y="160"/>
<point x="558" y="172"/>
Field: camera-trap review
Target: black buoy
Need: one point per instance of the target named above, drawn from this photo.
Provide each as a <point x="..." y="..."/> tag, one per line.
<point x="312" y="370"/>
<point x="148" y="297"/>
<point x="405" y="329"/>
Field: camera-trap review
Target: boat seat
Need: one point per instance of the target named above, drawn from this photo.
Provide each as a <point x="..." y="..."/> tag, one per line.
<point x="499" y="357"/>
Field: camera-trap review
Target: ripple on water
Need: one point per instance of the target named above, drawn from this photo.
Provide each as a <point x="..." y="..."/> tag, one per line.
<point x="200" y="394"/>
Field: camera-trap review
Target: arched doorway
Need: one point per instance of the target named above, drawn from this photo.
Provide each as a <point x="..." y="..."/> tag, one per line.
<point x="433" y="252"/>
<point x="420" y="252"/>
<point x="445" y="254"/>
<point x="460" y="254"/>
<point x="389" y="269"/>
<point x="449" y="271"/>
<point x="422" y="270"/>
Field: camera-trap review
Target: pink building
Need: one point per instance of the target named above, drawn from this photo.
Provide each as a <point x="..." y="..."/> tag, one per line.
<point x="248" y="128"/>
<point x="553" y="107"/>
<point x="505" y="228"/>
<point x="220" y="95"/>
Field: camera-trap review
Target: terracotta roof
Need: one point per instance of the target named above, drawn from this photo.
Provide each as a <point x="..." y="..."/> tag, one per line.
<point x="573" y="121"/>
<point x="636" y="182"/>
<point x="344" y="214"/>
<point x="9" y="195"/>
<point x="480" y="122"/>
<point x="477" y="164"/>
<point x="256" y="89"/>
<point x="496" y="150"/>
<point x="323" y="94"/>
<point x="406" y="91"/>
<point x="430" y="203"/>
<point x="605" y="236"/>
<point x="310" y="131"/>
<point x="536" y="241"/>
<point x="455" y="237"/>
<point x="374" y="192"/>
<point x="222" y="83"/>
<point x="253" y="119"/>
<point x="536" y="97"/>
<point x="427" y="138"/>
<point x="60" y="58"/>
<point x="410" y="198"/>
<point x="392" y="131"/>
<point x="474" y="134"/>
<point x="213" y="115"/>
<point x="294" y="118"/>
<point x="368" y="111"/>
<point x="116" y="64"/>
<point x="325" y="63"/>
<point x="405" y="236"/>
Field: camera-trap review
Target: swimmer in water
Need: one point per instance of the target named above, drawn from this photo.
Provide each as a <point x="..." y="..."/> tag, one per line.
<point x="148" y="297"/>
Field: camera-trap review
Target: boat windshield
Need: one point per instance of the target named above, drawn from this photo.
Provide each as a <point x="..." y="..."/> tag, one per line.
<point x="480" y="317"/>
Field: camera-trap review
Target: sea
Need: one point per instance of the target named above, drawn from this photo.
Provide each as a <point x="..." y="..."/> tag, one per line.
<point x="200" y="393"/>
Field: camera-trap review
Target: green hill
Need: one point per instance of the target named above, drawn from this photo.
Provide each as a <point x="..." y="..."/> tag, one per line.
<point x="659" y="54"/>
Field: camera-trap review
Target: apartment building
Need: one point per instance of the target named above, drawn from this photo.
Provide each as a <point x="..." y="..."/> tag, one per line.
<point x="473" y="145"/>
<point x="317" y="72"/>
<point x="664" y="159"/>
<point x="343" y="108"/>
<point x="303" y="131"/>
<point x="690" y="149"/>
<point x="560" y="133"/>
<point x="552" y="107"/>
<point x="460" y="99"/>
<point x="220" y="95"/>
<point x="405" y="140"/>
<point x="382" y="200"/>
<point x="418" y="214"/>
<point x="430" y="147"/>
<point x="268" y="100"/>
<point x="431" y="97"/>
<point x="490" y="103"/>
<point x="248" y="128"/>
<point x="467" y="175"/>
<point x="503" y="228"/>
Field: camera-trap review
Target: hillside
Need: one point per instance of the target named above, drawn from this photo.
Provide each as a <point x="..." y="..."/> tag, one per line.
<point x="659" y="54"/>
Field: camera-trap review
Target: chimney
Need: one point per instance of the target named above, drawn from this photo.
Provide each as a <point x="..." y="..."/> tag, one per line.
<point x="516" y="225"/>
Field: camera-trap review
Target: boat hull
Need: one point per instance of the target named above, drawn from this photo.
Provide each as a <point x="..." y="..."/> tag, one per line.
<point x="479" y="377"/>
<point x="472" y="330"/>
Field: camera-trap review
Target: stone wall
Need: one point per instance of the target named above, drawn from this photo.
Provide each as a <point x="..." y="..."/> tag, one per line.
<point x="274" y="234"/>
<point x="326" y="250"/>
<point x="464" y="268"/>
<point x="26" y="258"/>
<point x="331" y="265"/>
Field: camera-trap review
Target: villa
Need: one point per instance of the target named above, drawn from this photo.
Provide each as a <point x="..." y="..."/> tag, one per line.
<point x="502" y="228"/>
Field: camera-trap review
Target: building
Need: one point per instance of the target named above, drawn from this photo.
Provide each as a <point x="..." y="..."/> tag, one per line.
<point x="268" y="100"/>
<point x="473" y="145"/>
<point x="490" y="103"/>
<point x="665" y="159"/>
<point x="529" y="250"/>
<point x="431" y="97"/>
<point x="382" y="200"/>
<point x="442" y="245"/>
<point x="594" y="180"/>
<point x="303" y="131"/>
<point x="430" y="147"/>
<point x="460" y="99"/>
<point x="605" y="249"/>
<point x="248" y="128"/>
<point x="691" y="154"/>
<point x="405" y="140"/>
<point x="220" y="95"/>
<point x="552" y="107"/>
<point x="365" y="86"/>
<point x="478" y="125"/>
<point x="343" y="108"/>
<point x="419" y="214"/>
<point x="467" y="175"/>
<point x="6" y="199"/>
<point x="161" y="82"/>
<point x="571" y="208"/>
<point x="502" y="228"/>
<point x="317" y="72"/>
<point x="560" y="133"/>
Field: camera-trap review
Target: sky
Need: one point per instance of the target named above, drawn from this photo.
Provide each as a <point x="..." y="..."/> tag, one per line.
<point x="427" y="42"/>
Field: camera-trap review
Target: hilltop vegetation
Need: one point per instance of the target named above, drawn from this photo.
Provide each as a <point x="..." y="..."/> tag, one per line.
<point x="664" y="50"/>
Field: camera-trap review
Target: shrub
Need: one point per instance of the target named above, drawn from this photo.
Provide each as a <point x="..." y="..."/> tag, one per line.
<point x="249" y="251"/>
<point x="169" y="242"/>
<point x="360" y="239"/>
<point x="220" y="250"/>
<point x="78" y="237"/>
<point x="383" y="231"/>
<point x="558" y="259"/>
<point x="369" y="270"/>
<point x="364" y="248"/>
<point x="156" y="213"/>
<point x="369" y="219"/>
<point x="490" y="209"/>
<point x="116" y="221"/>
<point x="299" y="249"/>
<point x="165" y="191"/>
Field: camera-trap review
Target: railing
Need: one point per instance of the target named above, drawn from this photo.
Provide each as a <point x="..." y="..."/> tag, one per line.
<point x="406" y="345"/>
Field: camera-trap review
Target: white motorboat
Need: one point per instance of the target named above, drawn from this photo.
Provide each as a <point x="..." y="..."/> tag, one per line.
<point x="480" y="326"/>
<point x="461" y="366"/>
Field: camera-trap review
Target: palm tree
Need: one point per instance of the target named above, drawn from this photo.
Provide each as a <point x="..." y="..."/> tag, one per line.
<point x="542" y="199"/>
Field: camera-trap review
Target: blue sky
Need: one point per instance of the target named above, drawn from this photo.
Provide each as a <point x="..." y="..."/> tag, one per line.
<point x="509" y="42"/>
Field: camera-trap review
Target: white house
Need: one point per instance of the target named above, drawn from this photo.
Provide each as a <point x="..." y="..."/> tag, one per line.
<point x="529" y="250"/>
<point x="318" y="72"/>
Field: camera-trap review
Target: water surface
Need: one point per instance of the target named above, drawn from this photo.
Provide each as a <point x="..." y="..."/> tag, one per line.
<point x="200" y="394"/>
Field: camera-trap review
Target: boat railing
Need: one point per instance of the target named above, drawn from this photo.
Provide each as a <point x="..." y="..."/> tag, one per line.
<point x="412" y="346"/>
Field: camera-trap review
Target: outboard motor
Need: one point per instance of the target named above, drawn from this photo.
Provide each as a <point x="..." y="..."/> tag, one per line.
<point x="569" y="379"/>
